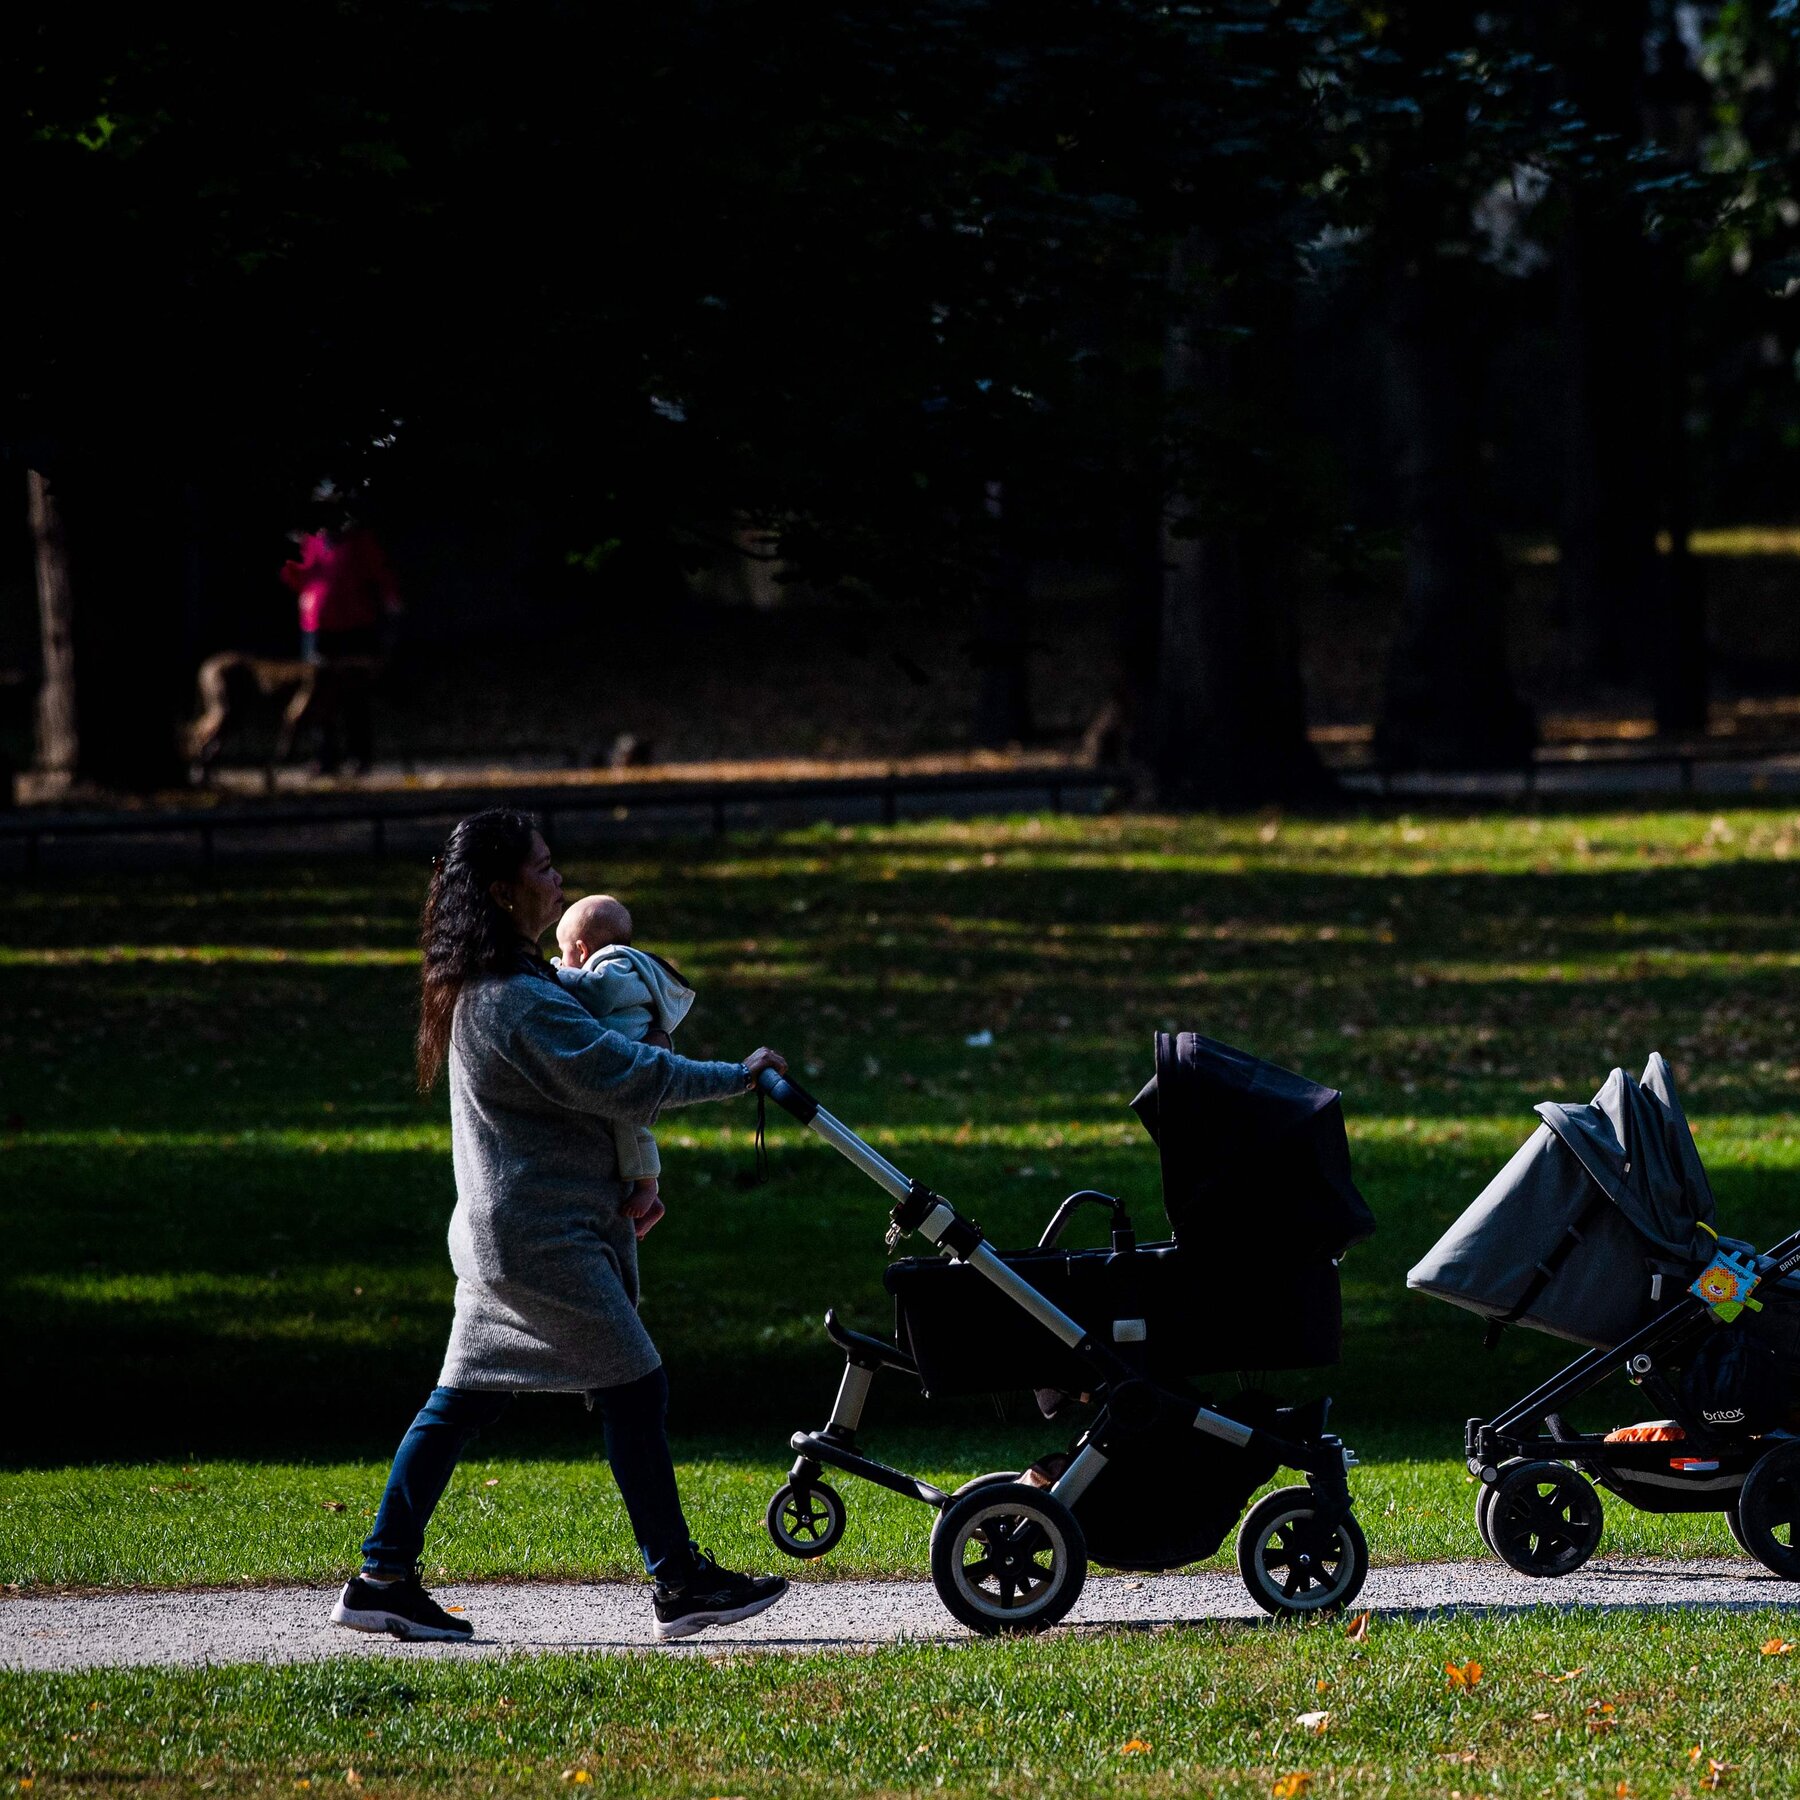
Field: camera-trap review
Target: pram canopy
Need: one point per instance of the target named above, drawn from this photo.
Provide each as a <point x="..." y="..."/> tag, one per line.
<point x="1234" y="1131"/>
<point x="1569" y="1237"/>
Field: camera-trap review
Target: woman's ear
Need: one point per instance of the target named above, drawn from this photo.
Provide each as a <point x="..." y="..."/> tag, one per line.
<point x="500" y="892"/>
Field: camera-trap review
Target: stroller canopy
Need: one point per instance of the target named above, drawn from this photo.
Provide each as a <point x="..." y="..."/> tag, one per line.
<point x="1236" y="1134"/>
<point x="1567" y="1237"/>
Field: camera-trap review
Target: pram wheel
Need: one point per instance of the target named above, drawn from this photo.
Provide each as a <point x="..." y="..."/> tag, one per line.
<point x="1544" y="1519"/>
<point x="1292" y="1563"/>
<point x="999" y="1478"/>
<point x="1769" y="1511"/>
<point x="1735" y="1526"/>
<point x="805" y="1521"/>
<point x="1484" y="1503"/>
<point x="1007" y="1558"/>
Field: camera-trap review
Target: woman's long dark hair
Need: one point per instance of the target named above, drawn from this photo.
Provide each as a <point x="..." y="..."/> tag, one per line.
<point x="464" y="932"/>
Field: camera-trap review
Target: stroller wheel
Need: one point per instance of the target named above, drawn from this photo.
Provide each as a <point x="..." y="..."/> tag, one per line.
<point x="1544" y="1519"/>
<point x="999" y="1478"/>
<point x="1292" y="1563"/>
<point x="1769" y="1510"/>
<point x="1007" y="1558"/>
<point x="805" y="1521"/>
<point x="1735" y="1526"/>
<point x="1484" y="1503"/>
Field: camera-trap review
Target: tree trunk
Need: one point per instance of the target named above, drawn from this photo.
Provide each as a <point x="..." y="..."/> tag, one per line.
<point x="1231" y="712"/>
<point x="1449" y="702"/>
<point x="1001" y="646"/>
<point x="1609" y="497"/>
<point x="130" y="683"/>
<point x="58" y="747"/>
<point x="1230" y="724"/>
<point x="1678" y="649"/>
<point x="1605" y="302"/>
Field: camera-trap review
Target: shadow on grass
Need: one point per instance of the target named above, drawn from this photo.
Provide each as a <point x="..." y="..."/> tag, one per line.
<point x="224" y="1207"/>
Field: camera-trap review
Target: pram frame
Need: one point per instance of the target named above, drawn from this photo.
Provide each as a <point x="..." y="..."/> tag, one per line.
<point x="1128" y="1402"/>
<point x="1488" y="1443"/>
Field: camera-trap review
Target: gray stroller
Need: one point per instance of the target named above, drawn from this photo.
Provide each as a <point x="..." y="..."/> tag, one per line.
<point x="1600" y="1230"/>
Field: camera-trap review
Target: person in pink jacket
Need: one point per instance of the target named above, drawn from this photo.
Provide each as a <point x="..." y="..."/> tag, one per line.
<point x="347" y="596"/>
<point x="346" y="591"/>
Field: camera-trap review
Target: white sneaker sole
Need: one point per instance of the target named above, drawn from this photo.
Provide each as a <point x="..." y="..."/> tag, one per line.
<point x="363" y="1619"/>
<point x="689" y="1623"/>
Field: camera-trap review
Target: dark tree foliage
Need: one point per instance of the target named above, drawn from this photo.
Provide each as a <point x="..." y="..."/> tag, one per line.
<point x="913" y="290"/>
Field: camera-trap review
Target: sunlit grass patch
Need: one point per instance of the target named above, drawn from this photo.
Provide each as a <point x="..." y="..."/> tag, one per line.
<point x="1602" y="1704"/>
<point x="210" y="1138"/>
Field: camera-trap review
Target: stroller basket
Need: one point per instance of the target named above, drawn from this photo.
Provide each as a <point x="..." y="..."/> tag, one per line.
<point x="1158" y="1307"/>
<point x="1229" y="1129"/>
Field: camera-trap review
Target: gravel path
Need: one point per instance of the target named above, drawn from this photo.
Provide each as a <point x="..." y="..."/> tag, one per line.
<point x="283" y="1625"/>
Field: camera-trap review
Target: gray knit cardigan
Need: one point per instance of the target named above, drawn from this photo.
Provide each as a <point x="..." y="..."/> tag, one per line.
<point x="546" y="1266"/>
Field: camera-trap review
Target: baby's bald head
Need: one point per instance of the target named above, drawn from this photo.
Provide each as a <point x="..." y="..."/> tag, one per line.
<point x="590" y="923"/>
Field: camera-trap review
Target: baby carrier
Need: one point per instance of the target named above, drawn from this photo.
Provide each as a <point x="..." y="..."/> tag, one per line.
<point x="1163" y="1468"/>
<point x="1600" y="1230"/>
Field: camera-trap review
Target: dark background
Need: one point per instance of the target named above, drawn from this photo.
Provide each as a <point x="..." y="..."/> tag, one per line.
<point x="710" y="369"/>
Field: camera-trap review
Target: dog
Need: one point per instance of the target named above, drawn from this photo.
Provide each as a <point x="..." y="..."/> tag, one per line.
<point x="319" y="695"/>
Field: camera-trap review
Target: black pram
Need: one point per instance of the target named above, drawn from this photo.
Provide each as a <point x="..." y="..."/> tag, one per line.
<point x="1600" y="1230"/>
<point x="1162" y="1471"/>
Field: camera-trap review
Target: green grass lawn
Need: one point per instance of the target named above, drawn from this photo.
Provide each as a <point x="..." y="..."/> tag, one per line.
<point x="225" y="1286"/>
<point x="1595" y="1704"/>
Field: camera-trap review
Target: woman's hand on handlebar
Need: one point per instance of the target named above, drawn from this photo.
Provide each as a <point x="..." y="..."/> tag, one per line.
<point x="764" y="1058"/>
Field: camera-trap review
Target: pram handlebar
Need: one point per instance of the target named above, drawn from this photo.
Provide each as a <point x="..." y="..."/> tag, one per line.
<point x="921" y="1210"/>
<point x="792" y="1098"/>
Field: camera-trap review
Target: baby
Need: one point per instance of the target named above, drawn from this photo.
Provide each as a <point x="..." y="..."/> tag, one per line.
<point x="635" y="994"/>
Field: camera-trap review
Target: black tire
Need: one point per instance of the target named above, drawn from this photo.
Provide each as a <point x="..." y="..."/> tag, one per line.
<point x="1484" y="1502"/>
<point x="805" y="1521"/>
<point x="1007" y="1559"/>
<point x="1768" y="1511"/>
<point x="1735" y="1526"/>
<point x="1292" y="1563"/>
<point x="999" y="1478"/>
<point x="1545" y="1519"/>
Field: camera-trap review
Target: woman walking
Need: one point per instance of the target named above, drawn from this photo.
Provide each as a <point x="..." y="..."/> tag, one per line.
<point x="545" y="1257"/>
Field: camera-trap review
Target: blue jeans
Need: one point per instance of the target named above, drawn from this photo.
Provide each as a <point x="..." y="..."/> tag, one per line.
<point x="637" y="1446"/>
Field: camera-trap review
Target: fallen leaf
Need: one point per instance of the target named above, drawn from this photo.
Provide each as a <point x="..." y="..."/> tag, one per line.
<point x="354" y="1779"/>
<point x="1357" y="1631"/>
<point x="492" y="1481"/>
<point x="1463" y="1675"/>
<point x="1567" y="1674"/>
<point x="1289" y="1787"/>
<point x="1777" y="1647"/>
<point x="1315" y="1722"/>
<point x="1716" y="1772"/>
<point x="580" y="1777"/>
<point x="456" y="1609"/>
<point x="332" y="1505"/>
<point x="1540" y="1718"/>
<point x="1320" y="1685"/>
<point x="1695" y="1753"/>
<point x="1623" y="1791"/>
<point x="1133" y="1747"/>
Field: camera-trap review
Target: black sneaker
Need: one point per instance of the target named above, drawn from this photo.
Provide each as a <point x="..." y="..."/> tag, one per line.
<point x="402" y="1608"/>
<point x="712" y="1596"/>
